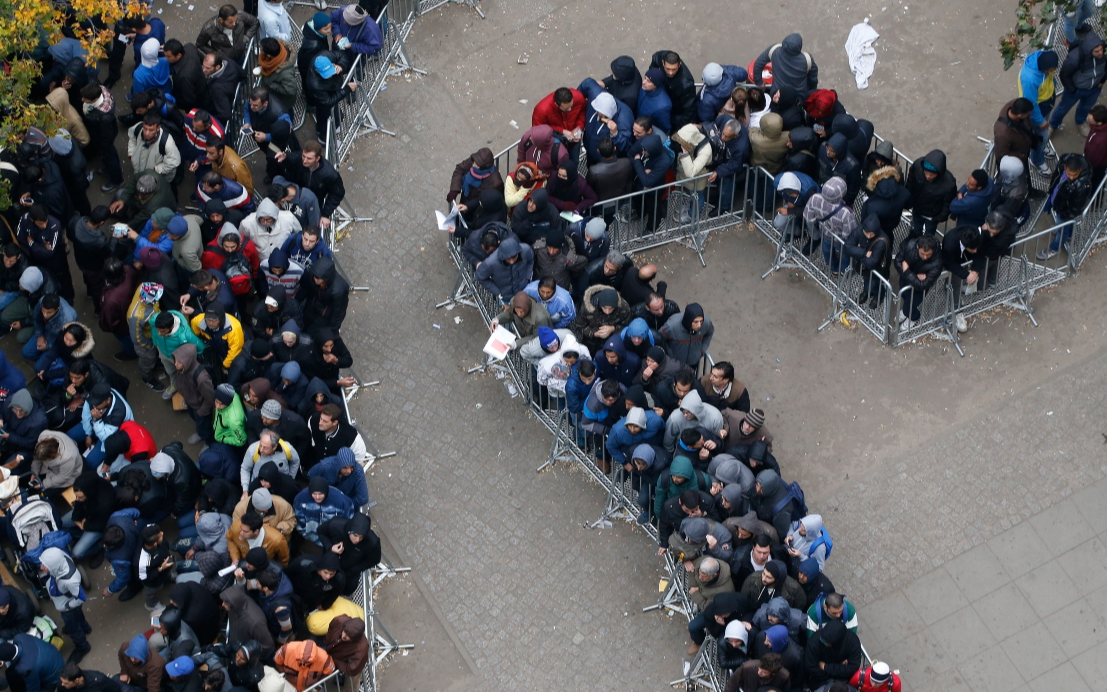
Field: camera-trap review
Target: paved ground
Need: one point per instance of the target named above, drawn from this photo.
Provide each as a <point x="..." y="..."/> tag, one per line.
<point x="915" y="456"/>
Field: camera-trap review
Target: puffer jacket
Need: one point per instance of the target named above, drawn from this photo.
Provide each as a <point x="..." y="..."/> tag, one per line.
<point x="324" y="306"/>
<point x="268" y="239"/>
<point x="828" y="213"/>
<point x="310" y="515"/>
<point x="769" y="143"/>
<point x="888" y="199"/>
<point x="712" y="98"/>
<point x="503" y="279"/>
<point x="931" y="199"/>
<point x="591" y="317"/>
<point x="843" y="166"/>
<point x="931" y="268"/>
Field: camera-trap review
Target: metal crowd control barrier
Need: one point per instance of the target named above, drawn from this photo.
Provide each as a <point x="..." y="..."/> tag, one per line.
<point x="1038" y="181"/>
<point x="426" y="6"/>
<point x="240" y="92"/>
<point x="246" y="145"/>
<point x="354" y="116"/>
<point x="1089" y="228"/>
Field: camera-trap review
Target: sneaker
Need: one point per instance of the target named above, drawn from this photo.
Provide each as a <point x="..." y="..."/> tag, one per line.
<point x="194" y="439"/>
<point x="643" y="518"/>
<point x="169" y="392"/>
<point x="124" y="357"/>
<point x="960" y="323"/>
<point x="900" y="318"/>
<point x="907" y="325"/>
<point x="1046" y="254"/>
<point x="109" y="186"/>
<point x="1085" y="130"/>
<point x="155" y="385"/>
<point x="78" y="655"/>
<point x="1044" y="168"/>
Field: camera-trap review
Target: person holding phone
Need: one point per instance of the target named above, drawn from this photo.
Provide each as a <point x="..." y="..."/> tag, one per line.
<point x="155" y="567"/>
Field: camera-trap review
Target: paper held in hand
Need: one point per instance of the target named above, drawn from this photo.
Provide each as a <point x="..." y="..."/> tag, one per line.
<point x="446" y="221"/>
<point x="500" y="343"/>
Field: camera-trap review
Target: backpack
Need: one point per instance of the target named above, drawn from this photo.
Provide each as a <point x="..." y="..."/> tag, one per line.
<point x="825" y="540"/>
<point x="237" y="270"/>
<point x="820" y="103"/>
<point x="799" y="503"/>
<point x="806" y="55"/>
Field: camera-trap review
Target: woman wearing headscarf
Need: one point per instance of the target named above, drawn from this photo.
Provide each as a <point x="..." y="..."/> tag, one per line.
<point x="534" y="218"/>
<point x="474" y="174"/>
<point x="570" y="192"/>
<point x="625" y="81"/>
<point x="489" y="207"/>
<point x="258" y="391"/>
<point x="688" y="335"/>
<point x="348" y="647"/>
<point x="541" y="146"/>
<point x="523" y="181"/>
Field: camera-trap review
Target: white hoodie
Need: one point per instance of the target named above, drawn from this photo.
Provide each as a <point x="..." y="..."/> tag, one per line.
<point x="269" y="239"/>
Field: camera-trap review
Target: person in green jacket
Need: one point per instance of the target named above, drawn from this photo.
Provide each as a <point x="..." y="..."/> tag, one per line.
<point x="171" y="330"/>
<point x="681" y="476"/>
<point x="230" y="419"/>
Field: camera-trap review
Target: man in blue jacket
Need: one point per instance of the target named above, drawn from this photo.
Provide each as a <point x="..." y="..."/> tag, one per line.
<point x="1036" y="84"/>
<point x="973" y="199"/>
<point x="32" y="663"/>
<point x="730" y="152"/>
<point x="344" y="473"/>
<point x="718" y="82"/>
<point x="639" y="426"/>
<point x="606" y="115"/>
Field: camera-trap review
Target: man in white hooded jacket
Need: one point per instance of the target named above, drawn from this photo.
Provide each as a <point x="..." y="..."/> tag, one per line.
<point x="269" y="227"/>
<point x="64" y="585"/>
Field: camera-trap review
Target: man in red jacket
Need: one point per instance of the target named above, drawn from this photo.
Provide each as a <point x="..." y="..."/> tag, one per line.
<point x="876" y="678"/>
<point x="563" y="110"/>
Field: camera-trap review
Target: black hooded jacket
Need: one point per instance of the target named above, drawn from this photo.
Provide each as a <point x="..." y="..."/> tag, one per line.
<point x="789" y="106"/>
<point x="316" y="364"/>
<point x="827" y="649"/>
<point x="681" y="89"/>
<point x="931" y="199"/>
<point x="199" y="610"/>
<point x="888" y="198"/>
<point x="20" y="615"/>
<point x="790" y="65"/>
<point x="858" y="133"/>
<point x="529" y="226"/>
<point x="355" y="559"/>
<point x="625" y="82"/>
<point x="188" y="78"/>
<point x="324" y="306"/>
<point x="324" y="181"/>
<point x="804" y="153"/>
<point x="267" y="323"/>
<point x="184" y="483"/>
<point x="279" y="483"/>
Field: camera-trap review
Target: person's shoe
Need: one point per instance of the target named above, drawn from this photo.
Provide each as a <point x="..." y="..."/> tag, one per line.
<point x="124" y="357"/>
<point x="900" y="318"/>
<point x="1085" y="130"/>
<point x="127" y="594"/>
<point x="873" y="302"/>
<point x="1044" y="168"/>
<point x="1058" y="128"/>
<point x="194" y="439"/>
<point x="110" y="83"/>
<point x="78" y="655"/>
<point x="1035" y="193"/>
<point x="89" y="176"/>
<point x="94" y="561"/>
<point x="156" y="611"/>
<point x="109" y="186"/>
<point x="693" y="649"/>
<point x="1046" y="254"/>
<point x="960" y="323"/>
<point x="643" y="518"/>
<point x="155" y="385"/>
<point x="169" y="392"/>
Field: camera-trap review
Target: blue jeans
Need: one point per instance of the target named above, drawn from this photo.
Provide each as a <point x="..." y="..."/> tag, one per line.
<point x="77" y="627"/>
<point x="1062" y="235"/>
<point x="697" y="628"/>
<point x="96" y="456"/>
<point x="832" y="255"/>
<point x="186" y="526"/>
<point x="1037" y="154"/>
<point x="30" y="349"/>
<point x="87" y="544"/>
<point x="7" y="298"/>
<point x="1083" y="12"/>
<point x="1083" y="99"/>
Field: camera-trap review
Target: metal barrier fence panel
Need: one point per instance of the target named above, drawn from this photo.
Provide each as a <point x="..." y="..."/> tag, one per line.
<point x="241" y="91"/>
<point x="1089" y="228"/>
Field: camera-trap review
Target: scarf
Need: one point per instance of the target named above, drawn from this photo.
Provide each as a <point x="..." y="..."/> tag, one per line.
<point x="269" y="64"/>
<point x="474" y="178"/>
<point x="104" y="104"/>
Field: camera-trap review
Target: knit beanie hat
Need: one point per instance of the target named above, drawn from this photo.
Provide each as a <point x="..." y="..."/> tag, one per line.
<point x="879" y="673"/>
<point x="177" y="225"/>
<point x="31" y="279"/>
<point x="320" y="20"/>
<point x="271" y="409"/>
<point x="224" y="394"/>
<point x="656" y="75"/>
<point x="756" y="417"/>
<point x="261" y="500"/>
<point x="1047" y="60"/>
<point x="162" y="217"/>
<point x="548" y="339"/>
<point x="260" y="348"/>
<point x="595" y="229"/>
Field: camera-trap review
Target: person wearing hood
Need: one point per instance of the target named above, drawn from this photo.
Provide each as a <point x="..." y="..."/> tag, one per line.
<point x="692" y="412"/>
<point x="273" y="315"/>
<point x="774" y="504"/>
<point x="355" y="32"/>
<point x="348" y="647"/>
<point x="178" y="641"/>
<point x="883" y="155"/>
<point x="1082" y="76"/>
<point x="657" y="367"/>
<point x="508" y="269"/>
<point x="624" y="82"/>
<point x="652" y="161"/>
<point x="222" y="337"/>
<point x="785" y="102"/>
<point x="687" y="336"/>
<point x="1037" y="84"/>
<point x="638" y="338"/>
<point x="31" y="664"/>
<point x="169" y="330"/>
<point x="317" y="504"/>
<point x="24" y="421"/>
<point x="693" y="160"/>
<point x="607" y="116"/>
<point x="769" y="143"/>
<point x="17" y="613"/>
<point x="733" y="649"/>
<point x="772" y="582"/>
<point x="654" y="102"/>
<point x="870" y="250"/>
<point x="247" y="621"/>
<point x="288" y="346"/>
<point x="638" y="427"/>
<point x="327" y="359"/>
<point x="807" y="538"/>
<point x="235" y="256"/>
<point x="718" y="83"/>
<point x="887" y="198"/>
<point x="64" y="586"/>
<point x="680" y="478"/>
<point x="199" y="610"/>
<point x="269" y="227"/>
<point x="645" y="463"/>
<point x="344" y="473"/>
<point x="305" y="247"/>
<point x="316" y="37"/>
<point x="568" y="191"/>
<point x="1070" y="190"/>
<point x="194" y="382"/>
<point x="791" y="66"/>
<point x="57" y="462"/>
<point x="318" y="580"/>
<point x="538" y="145"/>
<point x="557" y="301"/>
<point x="211" y="535"/>
<point x="525" y="317"/>
<point x="833" y="653"/>
<point x="725" y="608"/>
<point x="355" y="543"/>
<point x="535" y="218"/>
<point x="836" y="160"/>
<point x="273" y="21"/>
<point x="603" y="314"/>
<point x="678" y="83"/>
<point x="325" y="295"/>
<point x="973" y="199"/>
<point x="152" y="71"/>
<point x="829" y="218"/>
<point x="94" y="502"/>
<point x="858" y="134"/>
<point x="275" y="511"/>
<point x="140" y="666"/>
<point x="932" y="188"/>
<point x="488" y="208"/>
<point x="615" y="363"/>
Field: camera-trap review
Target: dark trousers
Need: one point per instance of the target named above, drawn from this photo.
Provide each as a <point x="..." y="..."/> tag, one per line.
<point x="911" y="305"/>
<point x="76" y="626"/>
<point x="920" y="226"/>
<point x="203" y="426"/>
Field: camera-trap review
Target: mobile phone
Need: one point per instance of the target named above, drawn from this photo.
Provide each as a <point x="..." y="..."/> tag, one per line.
<point x="156" y="622"/>
<point x="247" y="130"/>
<point x="119" y="230"/>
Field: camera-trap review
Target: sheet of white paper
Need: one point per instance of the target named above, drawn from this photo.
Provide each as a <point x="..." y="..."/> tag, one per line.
<point x="500" y="343"/>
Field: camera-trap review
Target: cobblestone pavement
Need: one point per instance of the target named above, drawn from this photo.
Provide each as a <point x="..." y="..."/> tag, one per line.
<point x="915" y="455"/>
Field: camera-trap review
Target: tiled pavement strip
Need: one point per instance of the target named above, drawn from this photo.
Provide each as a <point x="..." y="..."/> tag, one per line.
<point x="534" y="601"/>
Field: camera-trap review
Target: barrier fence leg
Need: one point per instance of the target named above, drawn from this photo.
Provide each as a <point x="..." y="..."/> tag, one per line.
<point x="461" y="295"/>
<point x="613" y="509"/>
<point x="699" y="673"/>
<point x="669" y="595"/>
<point x="695" y="240"/>
<point x="386" y="570"/>
<point x="837" y="304"/>
<point x="340" y="221"/>
<point x="783" y="257"/>
<point x="562" y="448"/>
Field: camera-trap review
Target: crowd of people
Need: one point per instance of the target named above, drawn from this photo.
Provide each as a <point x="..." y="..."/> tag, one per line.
<point x="250" y="549"/>
<point x="630" y="365"/>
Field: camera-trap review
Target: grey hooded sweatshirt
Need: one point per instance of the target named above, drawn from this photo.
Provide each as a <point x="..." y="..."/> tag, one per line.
<point x="67" y="580"/>
<point x="705" y="414"/>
